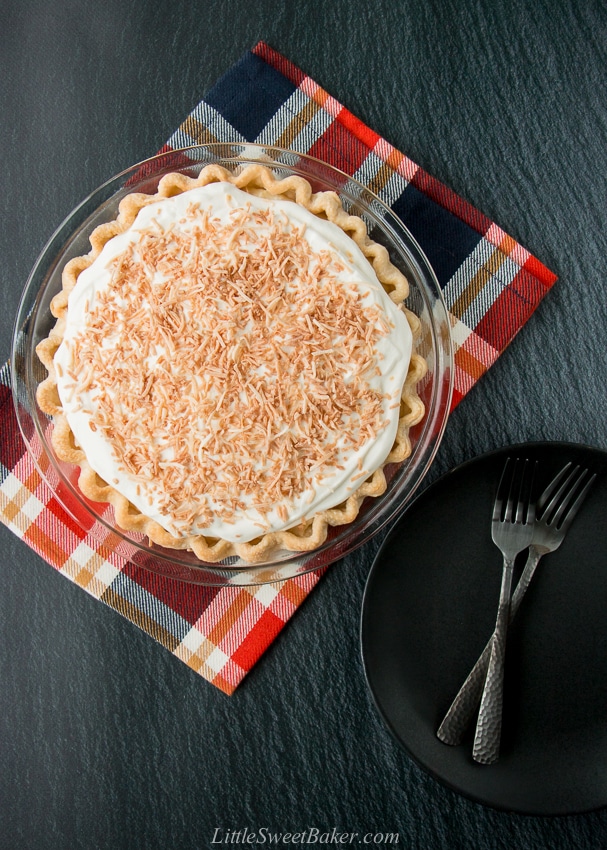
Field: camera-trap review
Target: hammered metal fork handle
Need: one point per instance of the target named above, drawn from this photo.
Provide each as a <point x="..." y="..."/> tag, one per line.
<point x="464" y="706"/>
<point x="489" y="724"/>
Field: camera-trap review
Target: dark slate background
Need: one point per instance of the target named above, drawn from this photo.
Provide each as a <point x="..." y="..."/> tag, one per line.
<point x="106" y="741"/>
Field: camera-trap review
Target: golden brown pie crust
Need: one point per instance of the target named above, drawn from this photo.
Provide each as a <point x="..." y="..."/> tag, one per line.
<point x="308" y="535"/>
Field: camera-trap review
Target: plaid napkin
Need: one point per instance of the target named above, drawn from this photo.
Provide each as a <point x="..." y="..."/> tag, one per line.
<point x="491" y="286"/>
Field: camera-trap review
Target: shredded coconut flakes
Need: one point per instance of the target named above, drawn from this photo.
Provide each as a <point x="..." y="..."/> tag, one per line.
<point x="228" y="369"/>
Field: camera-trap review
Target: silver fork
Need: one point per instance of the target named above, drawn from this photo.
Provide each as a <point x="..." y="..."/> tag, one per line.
<point x="512" y="532"/>
<point x="556" y="509"/>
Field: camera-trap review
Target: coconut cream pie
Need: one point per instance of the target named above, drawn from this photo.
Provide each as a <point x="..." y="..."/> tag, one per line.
<point x="232" y="365"/>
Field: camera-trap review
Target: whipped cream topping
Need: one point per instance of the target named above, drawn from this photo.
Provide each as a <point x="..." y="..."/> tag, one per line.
<point x="231" y="364"/>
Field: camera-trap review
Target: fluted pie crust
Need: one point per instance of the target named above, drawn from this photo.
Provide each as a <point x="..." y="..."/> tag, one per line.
<point x="309" y="534"/>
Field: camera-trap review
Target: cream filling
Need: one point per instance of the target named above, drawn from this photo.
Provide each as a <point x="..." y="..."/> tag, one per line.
<point x="325" y="487"/>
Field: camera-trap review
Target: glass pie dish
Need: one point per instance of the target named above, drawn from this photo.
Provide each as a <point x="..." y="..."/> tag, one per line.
<point x="34" y="321"/>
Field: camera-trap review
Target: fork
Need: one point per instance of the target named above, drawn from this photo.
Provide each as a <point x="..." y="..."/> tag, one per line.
<point x="557" y="514"/>
<point x="512" y="531"/>
<point x="556" y="509"/>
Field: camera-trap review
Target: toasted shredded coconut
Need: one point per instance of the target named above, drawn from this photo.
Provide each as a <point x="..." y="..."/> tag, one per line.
<point x="184" y="355"/>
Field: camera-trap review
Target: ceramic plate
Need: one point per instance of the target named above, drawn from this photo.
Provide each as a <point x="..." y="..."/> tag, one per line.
<point x="429" y="608"/>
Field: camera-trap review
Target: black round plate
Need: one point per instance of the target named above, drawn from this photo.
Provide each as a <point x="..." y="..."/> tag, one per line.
<point x="429" y="608"/>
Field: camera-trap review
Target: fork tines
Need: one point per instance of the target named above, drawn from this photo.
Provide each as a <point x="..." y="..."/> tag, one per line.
<point x="513" y="499"/>
<point x="558" y="511"/>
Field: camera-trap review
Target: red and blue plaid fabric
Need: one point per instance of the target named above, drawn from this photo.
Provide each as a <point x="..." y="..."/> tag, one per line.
<point x="491" y="286"/>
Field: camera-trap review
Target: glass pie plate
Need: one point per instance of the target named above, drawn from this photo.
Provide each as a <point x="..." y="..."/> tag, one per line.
<point x="34" y="321"/>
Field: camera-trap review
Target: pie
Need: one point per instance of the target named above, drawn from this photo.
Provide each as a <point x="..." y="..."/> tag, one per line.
<point x="232" y="367"/>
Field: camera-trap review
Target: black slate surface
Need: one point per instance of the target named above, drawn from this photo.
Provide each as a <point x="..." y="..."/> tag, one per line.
<point x="106" y="741"/>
